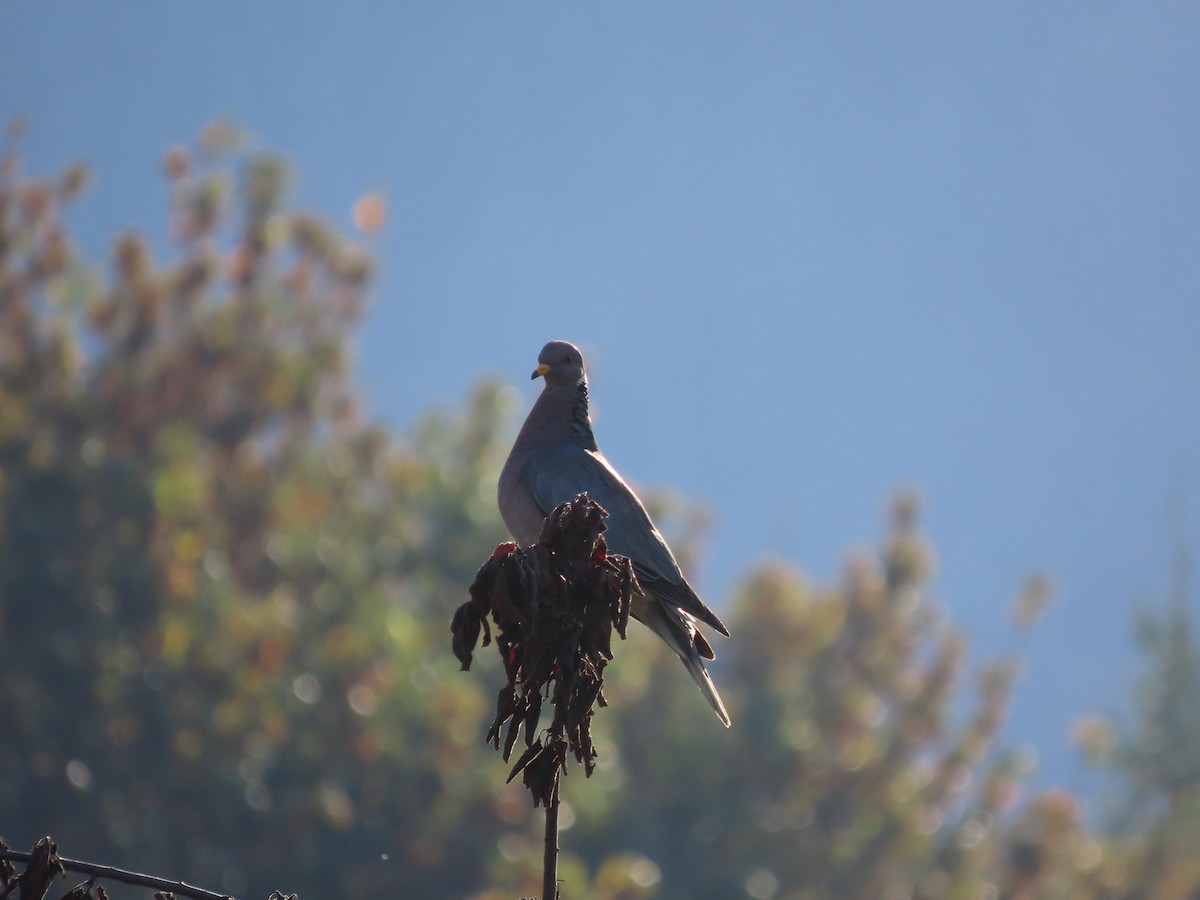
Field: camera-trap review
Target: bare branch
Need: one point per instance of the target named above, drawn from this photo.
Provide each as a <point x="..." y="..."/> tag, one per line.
<point x="110" y="873"/>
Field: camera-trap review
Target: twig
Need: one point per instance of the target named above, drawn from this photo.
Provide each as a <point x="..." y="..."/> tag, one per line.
<point x="124" y="876"/>
<point x="550" y="861"/>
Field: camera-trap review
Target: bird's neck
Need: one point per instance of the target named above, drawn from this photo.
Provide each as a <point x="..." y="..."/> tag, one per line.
<point x="581" y="420"/>
<point x="559" y="415"/>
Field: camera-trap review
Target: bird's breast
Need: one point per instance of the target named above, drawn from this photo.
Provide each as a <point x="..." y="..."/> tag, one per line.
<point x="522" y="516"/>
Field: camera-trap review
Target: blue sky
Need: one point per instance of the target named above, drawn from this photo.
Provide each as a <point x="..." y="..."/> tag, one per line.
<point x="816" y="253"/>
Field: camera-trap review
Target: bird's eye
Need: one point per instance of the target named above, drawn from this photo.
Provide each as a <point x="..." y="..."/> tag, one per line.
<point x="570" y="358"/>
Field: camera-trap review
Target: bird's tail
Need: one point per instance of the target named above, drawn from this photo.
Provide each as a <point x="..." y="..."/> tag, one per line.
<point x="678" y="631"/>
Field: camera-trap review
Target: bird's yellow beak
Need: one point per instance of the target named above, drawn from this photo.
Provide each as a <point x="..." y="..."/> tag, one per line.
<point x="541" y="370"/>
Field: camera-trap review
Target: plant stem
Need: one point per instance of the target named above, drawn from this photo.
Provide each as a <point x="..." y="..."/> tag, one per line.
<point x="550" y="861"/>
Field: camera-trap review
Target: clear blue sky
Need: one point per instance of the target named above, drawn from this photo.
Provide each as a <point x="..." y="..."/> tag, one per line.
<point x="815" y="252"/>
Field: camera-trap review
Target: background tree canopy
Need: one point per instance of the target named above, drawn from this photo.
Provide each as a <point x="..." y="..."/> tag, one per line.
<point x="225" y="600"/>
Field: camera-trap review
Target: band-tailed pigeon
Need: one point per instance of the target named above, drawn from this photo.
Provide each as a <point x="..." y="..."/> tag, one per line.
<point x="554" y="458"/>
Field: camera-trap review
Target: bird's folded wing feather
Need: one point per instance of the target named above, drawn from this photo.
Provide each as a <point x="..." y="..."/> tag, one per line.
<point x="556" y="474"/>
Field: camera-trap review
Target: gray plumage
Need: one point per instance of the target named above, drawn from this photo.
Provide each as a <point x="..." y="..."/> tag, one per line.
<point x="554" y="458"/>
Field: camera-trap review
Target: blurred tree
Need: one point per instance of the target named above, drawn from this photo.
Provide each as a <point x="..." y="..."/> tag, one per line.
<point x="221" y="593"/>
<point x="841" y="776"/>
<point x="1163" y="757"/>
<point x="1160" y="759"/>
<point x="225" y="599"/>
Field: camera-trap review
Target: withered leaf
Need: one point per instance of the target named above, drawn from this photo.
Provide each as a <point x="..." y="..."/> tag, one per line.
<point x="510" y="738"/>
<point x="555" y="605"/>
<point x="465" y="628"/>
<point x="43" y="866"/>
<point x="530" y="752"/>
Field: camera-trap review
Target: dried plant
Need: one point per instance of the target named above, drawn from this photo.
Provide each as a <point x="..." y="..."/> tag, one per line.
<point x="555" y="605"/>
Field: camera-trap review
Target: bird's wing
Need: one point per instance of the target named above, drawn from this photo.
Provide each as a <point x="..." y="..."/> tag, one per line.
<point x="556" y="474"/>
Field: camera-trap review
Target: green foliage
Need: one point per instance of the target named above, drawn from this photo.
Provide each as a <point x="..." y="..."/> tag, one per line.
<point x="223" y="594"/>
<point x="225" y="604"/>
<point x="841" y="777"/>
<point x="1164" y="761"/>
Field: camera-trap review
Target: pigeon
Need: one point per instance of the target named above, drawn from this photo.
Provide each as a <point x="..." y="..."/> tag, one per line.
<point x="553" y="459"/>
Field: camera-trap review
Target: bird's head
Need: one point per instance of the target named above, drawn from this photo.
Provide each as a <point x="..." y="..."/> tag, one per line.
<point x="560" y="363"/>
